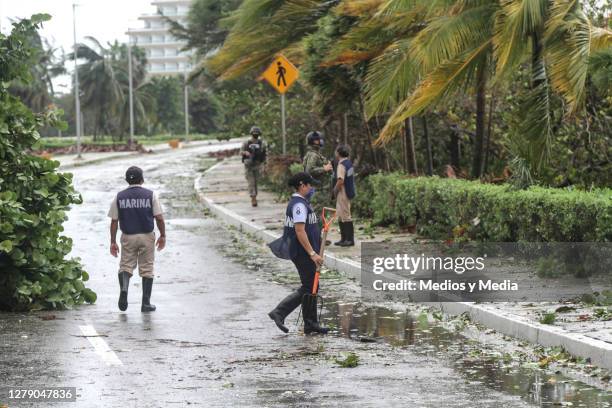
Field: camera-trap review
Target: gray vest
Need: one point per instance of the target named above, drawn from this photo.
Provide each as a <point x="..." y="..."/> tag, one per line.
<point x="135" y="206"/>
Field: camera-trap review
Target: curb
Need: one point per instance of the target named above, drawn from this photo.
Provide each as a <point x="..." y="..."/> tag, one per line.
<point x="598" y="351"/>
<point x="191" y="145"/>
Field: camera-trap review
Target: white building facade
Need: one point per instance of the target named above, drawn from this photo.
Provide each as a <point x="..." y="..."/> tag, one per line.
<point x="163" y="51"/>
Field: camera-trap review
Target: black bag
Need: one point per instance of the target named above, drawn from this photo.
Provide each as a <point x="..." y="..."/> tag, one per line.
<point x="281" y="247"/>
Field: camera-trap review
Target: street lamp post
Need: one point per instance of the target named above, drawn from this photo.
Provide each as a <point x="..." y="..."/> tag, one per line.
<point x="186" y="109"/>
<point x="76" y="84"/>
<point x="131" y="92"/>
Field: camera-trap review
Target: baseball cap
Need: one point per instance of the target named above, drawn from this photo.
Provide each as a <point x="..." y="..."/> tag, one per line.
<point x="301" y="178"/>
<point x="134" y="175"/>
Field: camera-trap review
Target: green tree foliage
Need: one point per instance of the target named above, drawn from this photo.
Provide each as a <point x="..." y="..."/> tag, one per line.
<point x="424" y="58"/>
<point x="167" y="94"/>
<point x="104" y="86"/>
<point x="34" y="273"/>
<point x="206" y="111"/>
<point x="204" y="30"/>
<point x="37" y="91"/>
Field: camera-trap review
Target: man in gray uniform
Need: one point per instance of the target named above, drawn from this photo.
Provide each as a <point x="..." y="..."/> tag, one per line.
<point x="135" y="210"/>
<point x="254" y="153"/>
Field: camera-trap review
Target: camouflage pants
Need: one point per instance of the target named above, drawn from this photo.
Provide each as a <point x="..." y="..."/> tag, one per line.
<point x="252" y="174"/>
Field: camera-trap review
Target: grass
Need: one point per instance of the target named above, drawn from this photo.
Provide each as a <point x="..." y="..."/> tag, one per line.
<point x="59" y="142"/>
<point x="548" y="318"/>
<point x="350" y="361"/>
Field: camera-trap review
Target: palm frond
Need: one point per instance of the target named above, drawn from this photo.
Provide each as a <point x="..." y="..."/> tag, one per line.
<point x="514" y="22"/>
<point x="364" y="41"/>
<point x="448" y="36"/>
<point x="568" y="42"/>
<point x="601" y="70"/>
<point x="390" y="77"/>
<point x="530" y="141"/>
<point x="447" y="78"/>
<point x="357" y="8"/>
<point x="261" y="30"/>
<point x="601" y="38"/>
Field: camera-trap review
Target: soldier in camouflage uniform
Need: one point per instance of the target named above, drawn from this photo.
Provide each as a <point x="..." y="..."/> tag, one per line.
<point x="320" y="168"/>
<point x="254" y="152"/>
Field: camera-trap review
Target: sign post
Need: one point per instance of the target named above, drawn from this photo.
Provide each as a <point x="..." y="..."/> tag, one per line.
<point x="281" y="74"/>
<point x="283" y="125"/>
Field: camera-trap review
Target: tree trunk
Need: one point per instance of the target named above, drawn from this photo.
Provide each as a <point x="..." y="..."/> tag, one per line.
<point x="410" y="150"/>
<point x="485" y="165"/>
<point x="427" y="146"/>
<point x="404" y="153"/>
<point x="538" y="72"/>
<point x="368" y="132"/>
<point x="454" y="148"/>
<point x="481" y="100"/>
<point x="346" y="130"/>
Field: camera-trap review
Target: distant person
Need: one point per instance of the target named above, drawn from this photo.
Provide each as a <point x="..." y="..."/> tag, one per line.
<point x="254" y="153"/>
<point x="315" y="163"/>
<point x="301" y="243"/>
<point x="135" y="210"/>
<point x="320" y="168"/>
<point x="344" y="191"/>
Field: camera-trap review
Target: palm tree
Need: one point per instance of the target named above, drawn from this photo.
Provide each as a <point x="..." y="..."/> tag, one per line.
<point x="102" y="93"/>
<point x="459" y="45"/>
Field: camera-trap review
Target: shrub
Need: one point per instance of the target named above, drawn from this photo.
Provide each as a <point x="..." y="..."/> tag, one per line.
<point x="279" y="169"/>
<point x="487" y="212"/>
<point x="34" y="273"/>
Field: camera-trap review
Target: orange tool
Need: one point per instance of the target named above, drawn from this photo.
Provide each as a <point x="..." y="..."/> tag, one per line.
<point x="327" y="216"/>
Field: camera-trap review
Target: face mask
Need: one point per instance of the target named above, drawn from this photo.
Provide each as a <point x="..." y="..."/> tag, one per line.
<point x="310" y="193"/>
<point x="321" y="143"/>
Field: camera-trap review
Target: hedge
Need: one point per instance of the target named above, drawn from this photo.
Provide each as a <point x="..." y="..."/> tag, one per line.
<point x="446" y="208"/>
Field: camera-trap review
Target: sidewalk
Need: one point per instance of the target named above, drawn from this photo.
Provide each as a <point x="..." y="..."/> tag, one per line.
<point x="223" y="189"/>
<point x="70" y="161"/>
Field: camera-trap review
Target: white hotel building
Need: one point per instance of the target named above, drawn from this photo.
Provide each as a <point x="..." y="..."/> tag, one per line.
<point x="164" y="53"/>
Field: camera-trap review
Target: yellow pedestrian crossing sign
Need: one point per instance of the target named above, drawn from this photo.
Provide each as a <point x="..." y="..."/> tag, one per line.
<point x="281" y="74"/>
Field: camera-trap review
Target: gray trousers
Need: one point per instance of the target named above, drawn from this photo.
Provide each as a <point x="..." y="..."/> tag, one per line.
<point x="252" y="174"/>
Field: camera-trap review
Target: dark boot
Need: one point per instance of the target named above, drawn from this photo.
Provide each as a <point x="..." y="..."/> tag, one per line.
<point x="311" y="318"/>
<point x="349" y="238"/>
<point x="284" y="308"/>
<point x="124" y="283"/>
<point x="342" y="233"/>
<point x="254" y="201"/>
<point x="147" y="287"/>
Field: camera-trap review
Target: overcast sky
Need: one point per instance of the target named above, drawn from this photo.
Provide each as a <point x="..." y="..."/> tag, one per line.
<point x="105" y="20"/>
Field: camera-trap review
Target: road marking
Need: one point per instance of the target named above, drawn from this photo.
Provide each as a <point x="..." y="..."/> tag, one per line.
<point x="102" y="349"/>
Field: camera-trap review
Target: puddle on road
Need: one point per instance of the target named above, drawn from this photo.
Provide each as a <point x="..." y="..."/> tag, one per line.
<point x="467" y="356"/>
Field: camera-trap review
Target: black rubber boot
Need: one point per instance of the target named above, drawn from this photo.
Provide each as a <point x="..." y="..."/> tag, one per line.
<point x="284" y="308"/>
<point x="124" y="283"/>
<point x="147" y="287"/>
<point x="349" y="238"/>
<point x="311" y="319"/>
<point x="342" y="233"/>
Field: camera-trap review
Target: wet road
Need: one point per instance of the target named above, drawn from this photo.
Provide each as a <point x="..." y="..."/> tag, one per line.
<point x="210" y="342"/>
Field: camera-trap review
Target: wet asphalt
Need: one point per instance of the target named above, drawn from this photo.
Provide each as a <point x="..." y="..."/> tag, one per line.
<point x="210" y="342"/>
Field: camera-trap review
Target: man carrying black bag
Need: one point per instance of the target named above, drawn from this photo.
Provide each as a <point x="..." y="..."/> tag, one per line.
<point x="301" y="242"/>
